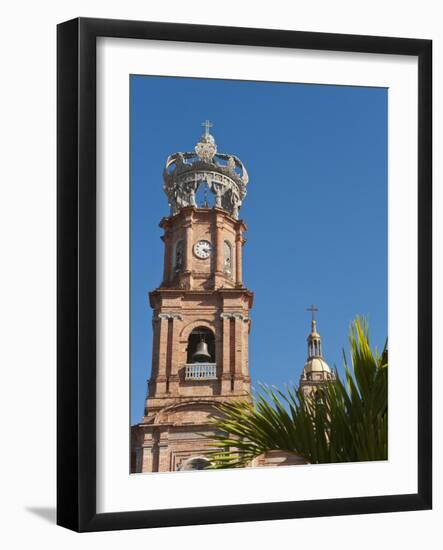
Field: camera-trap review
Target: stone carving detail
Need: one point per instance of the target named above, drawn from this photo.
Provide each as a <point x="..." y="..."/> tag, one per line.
<point x="206" y="148"/>
<point x="168" y="316"/>
<point x="227" y="258"/>
<point x="225" y="176"/>
<point x="178" y="256"/>
<point x="235" y="315"/>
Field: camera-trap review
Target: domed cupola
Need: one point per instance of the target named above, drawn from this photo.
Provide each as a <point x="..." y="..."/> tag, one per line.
<point x="316" y="371"/>
<point x="225" y="176"/>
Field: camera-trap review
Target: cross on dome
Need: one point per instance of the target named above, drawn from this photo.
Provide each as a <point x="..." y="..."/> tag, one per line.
<point x="314" y="339"/>
<point x="312" y="309"/>
<point x="316" y="370"/>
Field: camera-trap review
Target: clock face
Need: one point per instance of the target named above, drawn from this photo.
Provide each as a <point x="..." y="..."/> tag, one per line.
<point x="203" y="249"/>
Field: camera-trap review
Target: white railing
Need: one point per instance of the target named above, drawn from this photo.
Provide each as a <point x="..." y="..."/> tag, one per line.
<point x="200" y="371"/>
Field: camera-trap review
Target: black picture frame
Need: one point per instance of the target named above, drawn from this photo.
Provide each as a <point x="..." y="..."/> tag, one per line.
<point x="76" y="265"/>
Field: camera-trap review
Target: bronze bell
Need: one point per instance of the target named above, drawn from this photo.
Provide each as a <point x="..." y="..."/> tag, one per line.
<point x="201" y="354"/>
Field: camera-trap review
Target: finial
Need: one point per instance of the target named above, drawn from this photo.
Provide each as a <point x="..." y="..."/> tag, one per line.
<point x="207" y="125"/>
<point x="312" y="309"/>
<point x="314" y="340"/>
<point x="206" y="147"/>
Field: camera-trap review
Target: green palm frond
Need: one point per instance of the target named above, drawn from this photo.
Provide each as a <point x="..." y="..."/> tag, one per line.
<point x="348" y="423"/>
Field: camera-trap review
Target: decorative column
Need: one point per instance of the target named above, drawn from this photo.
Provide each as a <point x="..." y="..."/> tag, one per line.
<point x="174" y="358"/>
<point x="219" y="252"/>
<point x="139" y="459"/>
<point x="245" y="346"/>
<point x="167" y="262"/>
<point x="188" y="252"/>
<point x="163" y="457"/>
<point x="238" y="259"/>
<point x="147" y="458"/>
<point x="238" y="351"/>
<point x="152" y="382"/>
<point x="162" y="352"/>
<point x="150" y="451"/>
<point x="225" y="374"/>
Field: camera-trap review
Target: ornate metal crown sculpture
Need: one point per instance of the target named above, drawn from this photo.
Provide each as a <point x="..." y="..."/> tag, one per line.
<point x="225" y="175"/>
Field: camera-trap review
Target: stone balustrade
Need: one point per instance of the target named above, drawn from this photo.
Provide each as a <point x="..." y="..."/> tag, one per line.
<point x="200" y="371"/>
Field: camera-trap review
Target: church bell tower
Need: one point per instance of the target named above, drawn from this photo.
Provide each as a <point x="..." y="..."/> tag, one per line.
<point x="200" y="311"/>
<point x="316" y="372"/>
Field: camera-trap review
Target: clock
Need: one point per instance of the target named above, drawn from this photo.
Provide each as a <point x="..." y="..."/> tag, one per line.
<point x="202" y="249"/>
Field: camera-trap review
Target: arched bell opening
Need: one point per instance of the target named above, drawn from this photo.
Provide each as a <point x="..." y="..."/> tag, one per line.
<point x="314" y="348"/>
<point x="201" y="346"/>
<point x="204" y="197"/>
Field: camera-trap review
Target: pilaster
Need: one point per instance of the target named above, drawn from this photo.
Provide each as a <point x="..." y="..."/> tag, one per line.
<point x="187" y="273"/>
<point x="148" y="458"/>
<point x="167" y="262"/>
<point x="239" y="240"/>
<point x="219" y="275"/>
<point x="225" y="372"/>
<point x="163" y="457"/>
<point x="162" y="353"/>
<point x="173" y="381"/>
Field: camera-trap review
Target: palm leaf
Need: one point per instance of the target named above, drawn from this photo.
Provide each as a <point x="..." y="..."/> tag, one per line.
<point x="349" y="423"/>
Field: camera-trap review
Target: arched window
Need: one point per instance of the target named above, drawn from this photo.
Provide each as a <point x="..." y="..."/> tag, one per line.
<point x="177" y="258"/>
<point x="204" y="198"/>
<point x="311" y="349"/>
<point x="197" y="463"/>
<point x="227" y="258"/>
<point x="197" y="336"/>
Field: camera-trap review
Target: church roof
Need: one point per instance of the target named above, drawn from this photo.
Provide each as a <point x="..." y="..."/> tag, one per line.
<point x="316" y="364"/>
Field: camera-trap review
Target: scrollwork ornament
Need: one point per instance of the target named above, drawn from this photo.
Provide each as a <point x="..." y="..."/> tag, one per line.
<point x="224" y="174"/>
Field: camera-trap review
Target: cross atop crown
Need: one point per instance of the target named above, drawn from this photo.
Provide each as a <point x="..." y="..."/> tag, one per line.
<point x="312" y="309"/>
<point x="207" y="125"/>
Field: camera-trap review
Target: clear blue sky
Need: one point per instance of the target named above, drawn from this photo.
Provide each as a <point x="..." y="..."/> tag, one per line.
<point x="316" y="209"/>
